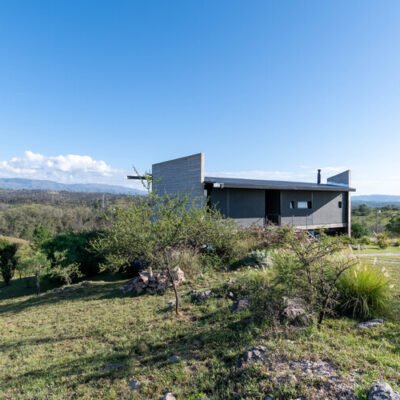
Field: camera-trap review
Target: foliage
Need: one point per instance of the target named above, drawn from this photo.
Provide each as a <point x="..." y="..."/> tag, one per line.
<point x="62" y="270"/>
<point x="8" y="260"/>
<point x="314" y="267"/>
<point x="394" y="225"/>
<point x="158" y="229"/>
<point x="359" y="230"/>
<point x="23" y="220"/>
<point x="76" y="251"/>
<point x="38" y="265"/>
<point x="257" y="258"/>
<point x="365" y="291"/>
<point x="382" y="241"/>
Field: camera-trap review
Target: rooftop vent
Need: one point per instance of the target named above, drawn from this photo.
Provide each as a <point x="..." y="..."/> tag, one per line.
<point x="319" y="177"/>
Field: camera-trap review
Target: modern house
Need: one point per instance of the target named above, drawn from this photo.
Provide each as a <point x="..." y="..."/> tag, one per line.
<point x="303" y="205"/>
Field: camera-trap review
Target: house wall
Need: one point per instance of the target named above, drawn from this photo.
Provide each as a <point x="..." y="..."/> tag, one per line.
<point x="246" y="206"/>
<point x="325" y="209"/>
<point x="182" y="176"/>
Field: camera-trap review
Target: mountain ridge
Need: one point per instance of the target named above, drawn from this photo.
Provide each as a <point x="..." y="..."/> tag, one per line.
<point x="48" y="185"/>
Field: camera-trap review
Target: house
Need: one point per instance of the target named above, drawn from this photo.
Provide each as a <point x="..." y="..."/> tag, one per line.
<point x="303" y="205"/>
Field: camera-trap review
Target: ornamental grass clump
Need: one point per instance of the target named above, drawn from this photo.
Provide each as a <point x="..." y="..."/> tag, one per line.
<point x="365" y="291"/>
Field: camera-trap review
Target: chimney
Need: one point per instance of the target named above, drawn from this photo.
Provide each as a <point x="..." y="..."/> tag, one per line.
<point x="319" y="177"/>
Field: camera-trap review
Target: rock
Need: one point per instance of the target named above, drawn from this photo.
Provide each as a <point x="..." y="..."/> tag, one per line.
<point x="370" y="324"/>
<point x="150" y="283"/>
<point x="174" y="359"/>
<point x="295" y="311"/>
<point x="134" y="384"/>
<point x="168" y="396"/>
<point x="382" y="391"/>
<point x="242" y="304"/>
<point x="178" y="275"/>
<point x="254" y="354"/>
<point x="199" y="297"/>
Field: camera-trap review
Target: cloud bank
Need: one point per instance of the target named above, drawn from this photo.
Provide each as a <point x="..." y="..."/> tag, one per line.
<point x="69" y="168"/>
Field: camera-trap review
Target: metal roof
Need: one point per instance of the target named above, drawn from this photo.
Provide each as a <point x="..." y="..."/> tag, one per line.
<point x="241" y="183"/>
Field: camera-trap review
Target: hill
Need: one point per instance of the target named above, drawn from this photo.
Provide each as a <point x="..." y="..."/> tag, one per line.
<point x="37" y="184"/>
<point x="376" y="200"/>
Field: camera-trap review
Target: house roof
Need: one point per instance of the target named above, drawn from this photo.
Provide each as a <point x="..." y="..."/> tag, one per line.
<point x="241" y="183"/>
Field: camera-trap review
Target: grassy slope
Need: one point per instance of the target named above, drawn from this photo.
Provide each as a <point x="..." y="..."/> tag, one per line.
<point x="61" y="346"/>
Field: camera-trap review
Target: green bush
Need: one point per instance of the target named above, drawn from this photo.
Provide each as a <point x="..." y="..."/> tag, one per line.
<point x="8" y="260"/>
<point x="382" y="241"/>
<point x="365" y="291"/>
<point x="358" y="230"/>
<point x="76" y="251"/>
<point x="396" y="243"/>
<point x="365" y="240"/>
<point x="257" y="258"/>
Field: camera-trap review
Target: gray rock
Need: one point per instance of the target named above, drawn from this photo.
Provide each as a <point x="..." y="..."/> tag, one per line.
<point x="168" y="396"/>
<point x="295" y="311"/>
<point x="382" y="391"/>
<point x="370" y="324"/>
<point x="174" y="359"/>
<point x="255" y="354"/>
<point x="199" y="297"/>
<point x="242" y="304"/>
<point x="134" y="384"/>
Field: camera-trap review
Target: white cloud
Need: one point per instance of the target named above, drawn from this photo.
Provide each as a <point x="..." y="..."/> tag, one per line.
<point x="68" y="168"/>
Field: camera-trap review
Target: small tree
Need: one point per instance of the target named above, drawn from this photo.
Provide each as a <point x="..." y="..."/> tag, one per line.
<point x="38" y="265"/>
<point x="157" y="229"/>
<point x="8" y="260"/>
<point x="316" y="266"/>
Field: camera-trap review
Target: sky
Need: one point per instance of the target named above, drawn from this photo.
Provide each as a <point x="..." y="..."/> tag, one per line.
<point x="269" y="89"/>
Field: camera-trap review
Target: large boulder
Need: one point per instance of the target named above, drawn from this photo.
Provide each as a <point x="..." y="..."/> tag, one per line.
<point x="382" y="391"/>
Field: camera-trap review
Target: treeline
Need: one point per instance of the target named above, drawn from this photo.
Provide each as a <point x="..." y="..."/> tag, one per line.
<point x="370" y="220"/>
<point x="22" y="211"/>
<point x="97" y="200"/>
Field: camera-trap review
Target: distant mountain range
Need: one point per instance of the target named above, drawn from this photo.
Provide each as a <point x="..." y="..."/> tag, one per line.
<point x="36" y="184"/>
<point x="376" y="200"/>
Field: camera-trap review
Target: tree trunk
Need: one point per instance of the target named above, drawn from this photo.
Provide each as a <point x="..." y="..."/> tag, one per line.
<point x="177" y="313"/>
<point x="37" y="284"/>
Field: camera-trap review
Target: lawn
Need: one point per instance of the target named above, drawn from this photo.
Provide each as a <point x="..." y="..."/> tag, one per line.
<point x="91" y="342"/>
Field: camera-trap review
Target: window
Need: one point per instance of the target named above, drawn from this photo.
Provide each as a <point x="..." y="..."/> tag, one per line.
<point x="292" y="205"/>
<point x="340" y="204"/>
<point x="302" y="205"/>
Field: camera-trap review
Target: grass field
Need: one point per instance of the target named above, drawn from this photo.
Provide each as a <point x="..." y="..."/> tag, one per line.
<point x="89" y="343"/>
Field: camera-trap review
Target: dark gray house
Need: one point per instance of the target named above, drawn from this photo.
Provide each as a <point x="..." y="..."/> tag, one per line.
<point x="309" y="206"/>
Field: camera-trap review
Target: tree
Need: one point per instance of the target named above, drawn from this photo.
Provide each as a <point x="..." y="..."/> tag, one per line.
<point x="394" y="225"/>
<point x="157" y="229"/>
<point x="38" y="265"/>
<point x="8" y="260"/>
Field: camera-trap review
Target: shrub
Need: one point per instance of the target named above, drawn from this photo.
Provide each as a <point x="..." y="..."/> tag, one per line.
<point x="311" y="268"/>
<point x="396" y="243"/>
<point x="358" y="230"/>
<point x="265" y="302"/>
<point x="382" y="241"/>
<point x="365" y="291"/>
<point x="257" y="258"/>
<point x="365" y="240"/>
<point x="8" y="260"/>
<point x="76" y="251"/>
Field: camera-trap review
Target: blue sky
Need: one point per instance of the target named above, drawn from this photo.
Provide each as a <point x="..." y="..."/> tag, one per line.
<point x="267" y="88"/>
